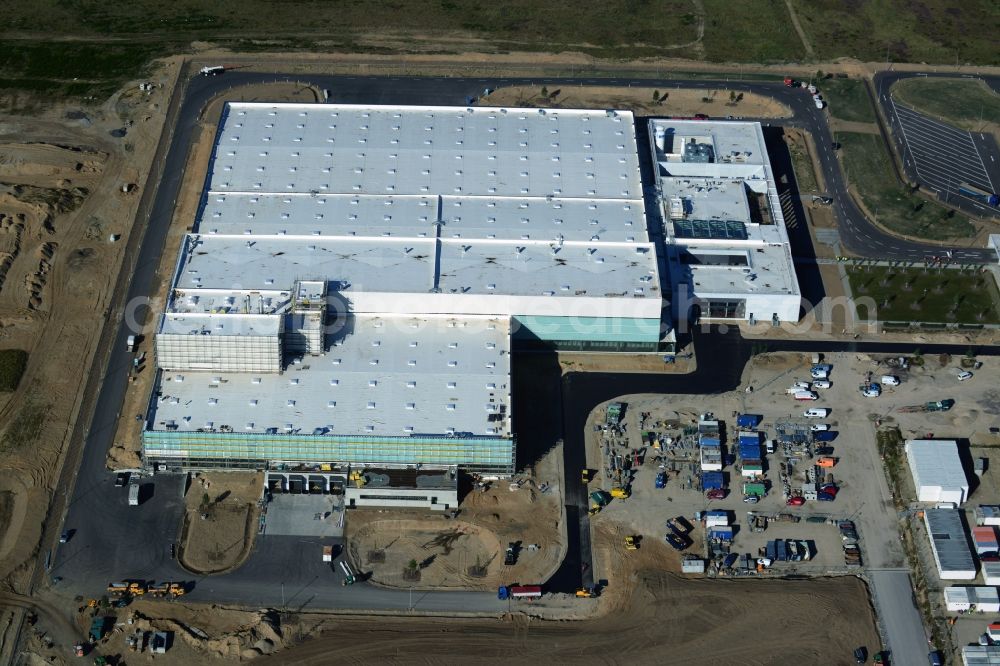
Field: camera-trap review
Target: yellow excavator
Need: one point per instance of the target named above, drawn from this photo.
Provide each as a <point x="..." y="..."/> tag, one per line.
<point x="631" y="543"/>
<point x="358" y="479"/>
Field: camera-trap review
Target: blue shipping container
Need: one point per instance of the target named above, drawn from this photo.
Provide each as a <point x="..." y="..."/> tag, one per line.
<point x="710" y="480"/>
<point x="825" y="436"/>
<point x="749" y="438"/>
<point x="748" y="420"/>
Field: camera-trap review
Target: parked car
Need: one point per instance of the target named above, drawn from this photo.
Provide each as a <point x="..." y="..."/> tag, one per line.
<point x="822" y="384"/>
<point x="871" y="391"/>
<point x="65" y="536"/>
<point x="965" y="374"/>
<point x="798" y="500"/>
<point x="805" y="395"/>
<point x="821" y="371"/>
<point x="817" y="427"/>
<point x="751" y="499"/>
<point x="890" y="380"/>
<point x="816" y="413"/>
<point x="824" y="451"/>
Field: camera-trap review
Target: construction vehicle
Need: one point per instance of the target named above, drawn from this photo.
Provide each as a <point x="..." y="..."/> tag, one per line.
<point x="593" y="510"/>
<point x="529" y="592"/>
<point x="585" y="476"/>
<point x="213" y="70"/>
<point x="586" y="593"/>
<point x="349" y="577"/>
<point x="936" y="406"/>
<point x="620" y="493"/>
<point x="358" y="479"/>
<point x="614" y="414"/>
<point x="510" y="555"/>
<point x="600" y="498"/>
<point x="133" y="588"/>
<point x="631" y="543"/>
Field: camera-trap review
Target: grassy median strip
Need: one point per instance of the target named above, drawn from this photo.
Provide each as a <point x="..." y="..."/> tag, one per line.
<point x="848" y="99"/>
<point x="896" y="206"/>
<point x="967" y="103"/>
<point x="935" y="295"/>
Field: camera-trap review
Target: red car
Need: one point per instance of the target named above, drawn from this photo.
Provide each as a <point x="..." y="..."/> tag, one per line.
<point x="796" y="501"/>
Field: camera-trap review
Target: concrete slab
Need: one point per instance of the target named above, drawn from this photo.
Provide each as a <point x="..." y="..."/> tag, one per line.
<point x="296" y="515"/>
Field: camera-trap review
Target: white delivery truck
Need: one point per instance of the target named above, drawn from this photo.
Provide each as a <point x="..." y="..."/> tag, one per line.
<point x="133" y="491"/>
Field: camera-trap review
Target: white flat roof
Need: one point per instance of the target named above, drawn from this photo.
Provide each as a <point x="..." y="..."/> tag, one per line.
<point x="936" y="463"/>
<point x="221" y="324"/>
<point x="332" y="148"/>
<point x="383" y="375"/>
<point x="394" y="265"/>
<point x="412" y="216"/>
<point x="715" y="219"/>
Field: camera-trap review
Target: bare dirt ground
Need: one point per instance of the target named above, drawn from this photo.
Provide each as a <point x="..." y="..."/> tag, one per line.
<point x="667" y="617"/>
<point x="64" y="222"/>
<point x="468" y="552"/>
<point x="221" y="520"/>
<point x="593" y="362"/>
<point x="675" y="102"/>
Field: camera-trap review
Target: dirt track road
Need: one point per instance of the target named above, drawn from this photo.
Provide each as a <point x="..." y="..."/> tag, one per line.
<point x="670" y="619"/>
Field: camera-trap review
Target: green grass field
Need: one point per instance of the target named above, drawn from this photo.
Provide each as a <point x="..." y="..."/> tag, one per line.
<point x="750" y="31"/>
<point x="935" y="296"/>
<point x="932" y="31"/>
<point x="12" y="365"/>
<point x="848" y="99"/>
<point x="869" y="170"/>
<point x="964" y="102"/>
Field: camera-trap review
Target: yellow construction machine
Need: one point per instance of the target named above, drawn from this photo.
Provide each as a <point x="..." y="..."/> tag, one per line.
<point x="631" y="543"/>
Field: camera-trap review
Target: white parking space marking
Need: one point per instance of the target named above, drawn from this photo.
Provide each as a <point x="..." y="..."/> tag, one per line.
<point x="943" y="157"/>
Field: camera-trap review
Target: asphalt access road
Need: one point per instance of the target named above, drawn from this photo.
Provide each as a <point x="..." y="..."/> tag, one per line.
<point x="892" y="592"/>
<point x="113" y="540"/>
<point x="936" y="155"/>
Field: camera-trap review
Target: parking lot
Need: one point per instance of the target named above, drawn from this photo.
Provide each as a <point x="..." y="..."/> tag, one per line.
<point x="942" y="158"/>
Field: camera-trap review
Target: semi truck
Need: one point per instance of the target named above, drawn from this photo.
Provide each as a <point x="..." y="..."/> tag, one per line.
<point x="935" y="406"/>
<point x="529" y="592"/>
<point x="133" y="491"/>
<point x="213" y="70"/>
<point x="980" y="195"/>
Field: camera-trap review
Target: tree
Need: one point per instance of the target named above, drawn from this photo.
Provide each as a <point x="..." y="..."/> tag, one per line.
<point x="656" y="95"/>
<point x="545" y="91"/>
<point x="205" y="500"/>
<point x="412" y="565"/>
<point x="732" y="95"/>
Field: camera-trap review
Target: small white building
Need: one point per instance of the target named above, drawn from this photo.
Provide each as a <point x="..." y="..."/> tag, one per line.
<point x="961" y="599"/>
<point x="716" y="519"/>
<point x="693" y="565"/>
<point x="937" y="470"/>
<point x="987" y="514"/>
<point x="950" y="544"/>
<point x="991" y="573"/>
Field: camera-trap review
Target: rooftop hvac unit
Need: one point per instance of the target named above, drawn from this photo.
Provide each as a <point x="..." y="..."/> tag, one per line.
<point x="676" y="208"/>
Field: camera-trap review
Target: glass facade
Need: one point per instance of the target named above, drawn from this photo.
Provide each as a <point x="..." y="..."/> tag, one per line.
<point x="489" y="455"/>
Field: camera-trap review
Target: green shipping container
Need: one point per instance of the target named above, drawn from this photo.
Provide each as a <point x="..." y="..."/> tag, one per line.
<point x="753" y="489"/>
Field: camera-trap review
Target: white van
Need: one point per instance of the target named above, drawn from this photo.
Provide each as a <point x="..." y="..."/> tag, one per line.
<point x="805" y="395"/>
<point x="889" y="380"/>
<point x="816" y="413"/>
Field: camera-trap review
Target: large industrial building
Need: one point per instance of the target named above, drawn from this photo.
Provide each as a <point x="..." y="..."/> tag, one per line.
<point x="727" y="247"/>
<point x="358" y="276"/>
